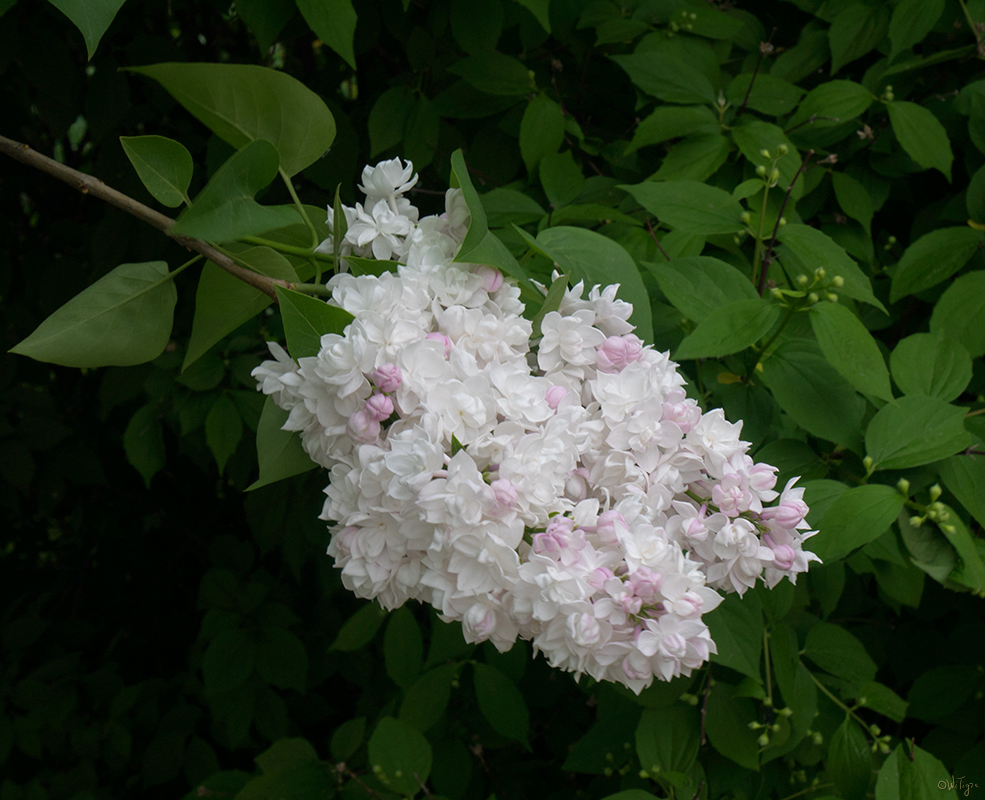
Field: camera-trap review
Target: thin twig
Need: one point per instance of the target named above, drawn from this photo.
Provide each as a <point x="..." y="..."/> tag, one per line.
<point x="810" y="121"/>
<point x="423" y="787"/>
<point x="764" y="48"/>
<point x="704" y="707"/>
<point x="768" y="255"/>
<point x="342" y="769"/>
<point x="95" y="187"/>
<point x="656" y="241"/>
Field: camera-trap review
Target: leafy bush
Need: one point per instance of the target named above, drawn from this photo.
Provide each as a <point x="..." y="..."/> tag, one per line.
<point x="800" y="189"/>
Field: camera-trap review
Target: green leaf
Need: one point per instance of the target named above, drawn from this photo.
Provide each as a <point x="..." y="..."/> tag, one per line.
<point x="91" y="17"/>
<point x="964" y="476"/>
<point x="555" y="294"/>
<point x="931" y="364"/>
<point x="850" y="349"/>
<point x="832" y="103"/>
<point x="480" y="246"/>
<point x="849" y="760"/>
<point x="812" y="392"/>
<point x="694" y="159"/>
<point x="388" y="118"/>
<point x="912" y="20"/>
<point x="286" y="754"/>
<point x="960" y="313"/>
<point x="660" y="75"/>
<point x="929" y="550"/>
<point x="421" y="133"/>
<point x="737" y="628"/>
<point x="970" y="572"/>
<point x="667" y="739"/>
<point x="835" y="650"/>
<point x="856" y="31"/>
<point x="501" y="703"/>
<point x="403" y="754"/>
<point x="334" y="22"/>
<point x="689" y="206"/>
<point x="596" y="259"/>
<point x="266" y="19"/>
<point x="975" y="197"/>
<point x="359" y="629"/>
<point x="223" y="430"/>
<point x="242" y="103"/>
<point x="854" y="199"/>
<point x="768" y="94"/>
<point x="631" y="794"/>
<point x="163" y="165"/>
<point x="282" y="660"/>
<point x="541" y="131"/>
<point x="229" y="660"/>
<point x="915" y="430"/>
<point x="727" y="724"/>
<point x="494" y="73"/>
<point x="883" y="700"/>
<point x="806" y="249"/>
<point x="855" y="518"/>
<point x="561" y="177"/>
<point x="123" y="319"/>
<point x="476" y="26"/>
<point x="670" y="122"/>
<point x="143" y="443"/>
<point x="403" y="648"/>
<point x="505" y="207"/>
<point x="279" y="452"/>
<point x="933" y="258"/>
<point x="921" y="135"/>
<point x="700" y="285"/>
<point x="913" y="774"/>
<point x="307" y="319"/>
<point x="225" y="209"/>
<point x="224" y="302"/>
<point x="427" y="698"/>
<point x="731" y="328"/>
<point x="539" y="8"/>
<point x="347" y="738"/>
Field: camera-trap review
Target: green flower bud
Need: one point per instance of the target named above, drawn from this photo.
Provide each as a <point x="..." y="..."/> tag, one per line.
<point x="775" y="175"/>
<point x="776" y="293"/>
<point x="817" y="737"/>
<point x="935" y="492"/>
<point x="819" y="274"/>
<point x="891" y="240"/>
<point x="761" y="170"/>
<point x="782" y="149"/>
<point x="764" y="153"/>
<point x="644" y="774"/>
<point x="837" y="281"/>
<point x="916" y="522"/>
<point x="904" y="487"/>
<point x="763" y="740"/>
<point x="831" y="297"/>
<point x="813" y="298"/>
<point x="745" y="218"/>
<point x="783" y="221"/>
<point x="802" y="281"/>
<point x="785" y="712"/>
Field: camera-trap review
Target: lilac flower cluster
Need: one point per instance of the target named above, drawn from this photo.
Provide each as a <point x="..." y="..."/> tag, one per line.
<point x="566" y="491"/>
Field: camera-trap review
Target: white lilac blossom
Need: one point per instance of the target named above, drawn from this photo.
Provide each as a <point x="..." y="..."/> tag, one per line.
<point x="573" y="496"/>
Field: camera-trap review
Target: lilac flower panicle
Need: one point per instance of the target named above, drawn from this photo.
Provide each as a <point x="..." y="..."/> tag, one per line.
<point x="589" y="505"/>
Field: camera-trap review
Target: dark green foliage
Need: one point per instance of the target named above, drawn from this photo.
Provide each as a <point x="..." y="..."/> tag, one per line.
<point x="782" y="189"/>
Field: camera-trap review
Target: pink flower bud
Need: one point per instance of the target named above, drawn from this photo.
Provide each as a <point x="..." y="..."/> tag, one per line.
<point x="491" y="278"/>
<point x="555" y="395"/>
<point x="598" y="577"/>
<point x="379" y="407"/>
<point x="616" y="352"/>
<point x="762" y="478"/>
<point x="689" y="605"/>
<point x="363" y="428"/>
<point x="387" y="377"/>
<point x="790" y="513"/>
<point x="684" y="415"/>
<point x="646" y="583"/>
<point x="609" y="525"/>
<point x="440" y="337"/>
<point x="504" y="494"/>
<point x="783" y="556"/>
